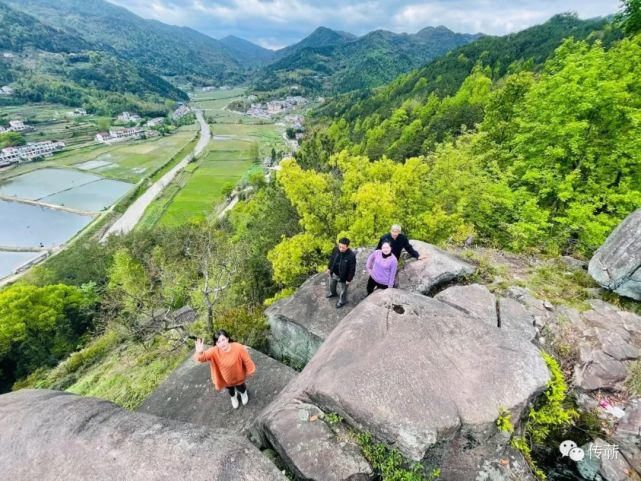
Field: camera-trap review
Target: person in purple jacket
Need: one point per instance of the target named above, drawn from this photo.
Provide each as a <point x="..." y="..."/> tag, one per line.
<point x="381" y="265"/>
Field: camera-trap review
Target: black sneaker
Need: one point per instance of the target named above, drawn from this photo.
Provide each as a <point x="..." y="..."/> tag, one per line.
<point x="329" y="296"/>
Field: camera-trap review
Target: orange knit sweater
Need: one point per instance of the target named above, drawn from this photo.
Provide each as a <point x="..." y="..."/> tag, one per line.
<point x="229" y="368"/>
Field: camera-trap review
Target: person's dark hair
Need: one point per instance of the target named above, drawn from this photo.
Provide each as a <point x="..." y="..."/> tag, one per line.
<point x="343" y="240"/>
<point x="386" y="242"/>
<point x="222" y="332"/>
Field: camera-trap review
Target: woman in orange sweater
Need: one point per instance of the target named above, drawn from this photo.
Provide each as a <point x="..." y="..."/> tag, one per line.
<point x="230" y="365"/>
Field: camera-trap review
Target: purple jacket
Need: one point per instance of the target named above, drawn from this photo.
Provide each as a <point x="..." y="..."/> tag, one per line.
<point x="382" y="270"/>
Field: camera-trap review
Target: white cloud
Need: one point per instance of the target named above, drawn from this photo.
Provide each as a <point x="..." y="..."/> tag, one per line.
<point x="282" y="22"/>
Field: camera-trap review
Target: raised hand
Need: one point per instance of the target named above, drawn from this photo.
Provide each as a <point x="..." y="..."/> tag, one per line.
<point x="200" y="345"/>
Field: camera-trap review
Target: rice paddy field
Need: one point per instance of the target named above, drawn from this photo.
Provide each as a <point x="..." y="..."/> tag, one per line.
<point x="234" y="151"/>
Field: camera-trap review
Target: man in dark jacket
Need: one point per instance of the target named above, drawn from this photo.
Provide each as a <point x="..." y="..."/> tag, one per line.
<point x="341" y="269"/>
<point x="398" y="242"/>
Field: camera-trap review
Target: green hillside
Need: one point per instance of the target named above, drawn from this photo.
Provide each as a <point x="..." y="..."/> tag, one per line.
<point x="47" y="64"/>
<point x="164" y="49"/>
<point x="331" y="62"/>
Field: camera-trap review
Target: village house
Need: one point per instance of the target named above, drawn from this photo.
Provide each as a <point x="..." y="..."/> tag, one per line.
<point x="155" y="122"/>
<point x="127" y="117"/>
<point x="29" y="152"/>
<point x="77" y="113"/>
<point x="2" y="129"/>
<point x="181" y="111"/>
<point x="119" y="135"/>
<point x="17" y="126"/>
<point x="6" y="90"/>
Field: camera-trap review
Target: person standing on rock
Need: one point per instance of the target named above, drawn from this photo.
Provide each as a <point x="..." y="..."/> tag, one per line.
<point x="341" y="269"/>
<point x="230" y="365"/>
<point x="381" y="266"/>
<point x="398" y="242"/>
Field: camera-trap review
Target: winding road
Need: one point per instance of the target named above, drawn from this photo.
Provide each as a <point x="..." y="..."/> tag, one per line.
<point x="136" y="210"/>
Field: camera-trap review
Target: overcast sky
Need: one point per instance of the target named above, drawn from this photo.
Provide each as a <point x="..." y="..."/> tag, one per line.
<point x="277" y="23"/>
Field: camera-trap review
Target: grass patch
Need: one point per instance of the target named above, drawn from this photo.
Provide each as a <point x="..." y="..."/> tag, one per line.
<point x="633" y="381"/>
<point x="130" y="374"/>
<point x="390" y="465"/>
<point x="560" y="284"/>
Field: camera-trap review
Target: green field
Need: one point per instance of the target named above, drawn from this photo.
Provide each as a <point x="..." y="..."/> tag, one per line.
<point x="52" y="122"/>
<point x="201" y="185"/>
<point x="127" y="161"/>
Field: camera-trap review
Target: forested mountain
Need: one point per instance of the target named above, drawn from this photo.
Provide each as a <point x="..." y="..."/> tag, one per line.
<point x="541" y="155"/>
<point x="56" y="66"/>
<point x="246" y="52"/>
<point x="320" y="37"/>
<point x="164" y="49"/>
<point x="329" y="61"/>
<point x="527" y="49"/>
<point x="21" y="31"/>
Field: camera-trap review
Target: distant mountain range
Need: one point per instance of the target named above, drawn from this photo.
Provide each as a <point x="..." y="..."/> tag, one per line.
<point x="46" y="63"/>
<point x="326" y="60"/>
<point x="331" y="62"/>
<point x="164" y="49"/>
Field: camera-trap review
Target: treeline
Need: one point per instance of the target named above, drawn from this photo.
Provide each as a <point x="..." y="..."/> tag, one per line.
<point x="524" y="50"/>
<point x="547" y="161"/>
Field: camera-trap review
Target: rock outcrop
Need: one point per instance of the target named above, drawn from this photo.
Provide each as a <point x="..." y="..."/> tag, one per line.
<point x="439" y="268"/>
<point x="616" y="265"/>
<point x="50" y="435"/>
<point x="300" y="323"/>
<point x="189" y="395"/>
<point x="418" y="374"/>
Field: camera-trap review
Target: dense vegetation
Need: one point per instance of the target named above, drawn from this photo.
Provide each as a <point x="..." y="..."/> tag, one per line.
<point x="545" y="161"/>
<point x="164" y="49"/>
<point x="329" y="61"/>
<point x="524" y="50"/>
<point x="50" y="65"/>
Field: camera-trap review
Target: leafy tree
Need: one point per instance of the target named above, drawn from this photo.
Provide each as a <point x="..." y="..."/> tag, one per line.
<point x="11" y="139"/>
<point x="630" y="16"/>
<point x="41" y="325"/>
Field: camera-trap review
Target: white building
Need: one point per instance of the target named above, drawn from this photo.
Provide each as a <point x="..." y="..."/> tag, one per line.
<point x="6" y="90"/>
<point x="77" y="113"/>
<point x="181" y="111"/>
<point x="127" y="117"/>
<point x="17" y="125"/>
<point x="29" y="152"/>
<point x="155" y="122"/>
<point x="119" y="135"/>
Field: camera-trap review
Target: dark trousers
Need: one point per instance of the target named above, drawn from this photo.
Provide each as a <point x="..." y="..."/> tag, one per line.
<point x="335" y="281"/>
<point x="241" y="388"/>
<point x="372" y="284"/>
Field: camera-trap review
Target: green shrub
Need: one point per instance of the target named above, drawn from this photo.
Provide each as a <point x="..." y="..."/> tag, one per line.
<point x="390" y="465"/>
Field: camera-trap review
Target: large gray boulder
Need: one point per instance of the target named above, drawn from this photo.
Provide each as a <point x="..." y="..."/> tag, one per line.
<point x="437" y="269"/>
<point x="418" y="374"/>
<point x="502" y="313"/>
<point x="189" y="395"/>
<point x="607" y="340"/>
<point x="616" y="265"/>
<point x="299" y="323"/>
<point x="51" y="435"/>
<point x="628" y="434"/>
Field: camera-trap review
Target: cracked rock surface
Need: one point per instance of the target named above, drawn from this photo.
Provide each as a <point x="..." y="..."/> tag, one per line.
<point x="417" y="373"/>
